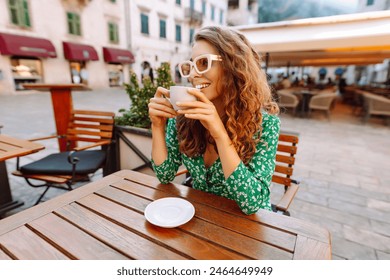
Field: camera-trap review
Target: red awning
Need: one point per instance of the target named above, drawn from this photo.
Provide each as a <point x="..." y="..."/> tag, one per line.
<point x="112" y="55"/>
<point x="79" y="52"/>
<point x="11" y="44"/>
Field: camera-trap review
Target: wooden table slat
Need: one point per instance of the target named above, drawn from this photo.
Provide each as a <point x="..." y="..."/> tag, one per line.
<point x="72" y="240"/>
<point x="26" y="245"/>
<point x="310" y="249"/>
<point x="172" y="238"/>
<point x="12" y="147"/>
<point x="260" y="232"/>
<point x="4" y="256"/>
<point x="127" y="242"/>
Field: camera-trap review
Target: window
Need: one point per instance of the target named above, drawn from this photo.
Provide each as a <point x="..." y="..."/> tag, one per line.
<point x="163" y="28"/>
<point x="204" y="8"/>
<point x="178" y="2"/>
<point x="19" y="14"/>
<point x="370" y="2"/>
<point x="192" y="5"/>
<point x="212" y="12"/>
<point x="178" y="33"/>
<point x="113" y="33"/>
<point x="192" y="31"/>
<point x="74" y="23"/>
<point x="26" y="70"/>
<point x="144" y="24"/>
<point x="221" y="17"/>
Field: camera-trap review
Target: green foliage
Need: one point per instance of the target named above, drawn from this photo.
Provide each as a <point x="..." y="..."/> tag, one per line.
<point x="137" y="115"/>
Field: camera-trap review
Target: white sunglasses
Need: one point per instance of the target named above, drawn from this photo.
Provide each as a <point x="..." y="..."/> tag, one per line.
<point x="201" y="64"/>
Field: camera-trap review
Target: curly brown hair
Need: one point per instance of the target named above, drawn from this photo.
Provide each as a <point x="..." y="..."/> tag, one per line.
<point x="246" y="94"/>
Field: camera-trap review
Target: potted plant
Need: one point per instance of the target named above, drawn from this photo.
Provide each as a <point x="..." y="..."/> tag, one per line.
<point x="133" y="134"/>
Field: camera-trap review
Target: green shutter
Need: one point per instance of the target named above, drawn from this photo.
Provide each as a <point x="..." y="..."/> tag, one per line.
<point x="19" y="12"/>
<point x="13" y="10"/>
<point x="113" y="33"/>
<point x="78" y="24"/>
<point x="26" y="14"/>
<point x="74" y="26"/>
<point x="178" y="33"/>
<point x="144" y="24"/>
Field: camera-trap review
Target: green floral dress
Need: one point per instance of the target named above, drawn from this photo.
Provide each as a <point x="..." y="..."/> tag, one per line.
<point x="248" y="185"/>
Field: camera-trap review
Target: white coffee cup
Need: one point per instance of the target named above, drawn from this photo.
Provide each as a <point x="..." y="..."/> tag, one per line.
<point x="179" y="94"/>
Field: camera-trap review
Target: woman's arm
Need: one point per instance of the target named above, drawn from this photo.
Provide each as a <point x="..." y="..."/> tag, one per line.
<point x="164" y="157"/>
<point x="166" y="170"/>
<point x="160" y="109"/>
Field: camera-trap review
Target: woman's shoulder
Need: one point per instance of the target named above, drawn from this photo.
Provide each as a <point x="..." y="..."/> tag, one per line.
<point x="269" y="119"/>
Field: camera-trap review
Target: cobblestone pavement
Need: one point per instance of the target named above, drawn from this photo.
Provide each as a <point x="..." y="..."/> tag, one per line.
<point x="342" y="164"/>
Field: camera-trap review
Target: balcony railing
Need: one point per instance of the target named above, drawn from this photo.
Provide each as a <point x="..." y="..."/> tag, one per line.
<point x="193" y="16"/>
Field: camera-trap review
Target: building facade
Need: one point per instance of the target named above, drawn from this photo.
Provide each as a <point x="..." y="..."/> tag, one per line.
<point x="162" y="30"/>
<point x="96" y="42"/>
<point x="373" y="5"/>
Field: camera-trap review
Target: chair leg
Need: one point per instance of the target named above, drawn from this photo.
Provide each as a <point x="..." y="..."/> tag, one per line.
<point x="42" y="195"/>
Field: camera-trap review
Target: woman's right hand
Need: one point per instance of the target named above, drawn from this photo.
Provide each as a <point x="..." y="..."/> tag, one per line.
<point x="160" y="108"/>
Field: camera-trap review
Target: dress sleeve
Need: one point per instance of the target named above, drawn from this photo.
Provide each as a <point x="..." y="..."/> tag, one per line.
<point x="249" y="184"/>
<point x="166" y="171"/>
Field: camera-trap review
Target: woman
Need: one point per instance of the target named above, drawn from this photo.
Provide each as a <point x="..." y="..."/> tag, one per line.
<point x="227" y="139"/>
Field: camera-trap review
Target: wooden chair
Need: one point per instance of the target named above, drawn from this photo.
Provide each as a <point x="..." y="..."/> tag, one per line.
<point x="86" y="130"/>
<point x="285" y="160"/>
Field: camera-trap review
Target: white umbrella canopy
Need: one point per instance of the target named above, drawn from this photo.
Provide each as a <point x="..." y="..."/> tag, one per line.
<point x="358" y="39"/>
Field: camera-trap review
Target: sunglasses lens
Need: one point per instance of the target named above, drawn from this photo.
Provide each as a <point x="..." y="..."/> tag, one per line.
<point x="185" y="69"/>
<point x="202" y="64"/>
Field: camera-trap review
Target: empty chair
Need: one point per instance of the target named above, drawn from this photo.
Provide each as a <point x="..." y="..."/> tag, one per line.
<point x="284" y="168"/>
<point x="376" y="105"/>
<point x="286" y="99"/>
<point x="322" y="101"/>
<point x="86" y="130"/>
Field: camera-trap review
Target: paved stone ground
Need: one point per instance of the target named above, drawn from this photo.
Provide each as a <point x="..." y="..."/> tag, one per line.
<point x="342" y="164"/>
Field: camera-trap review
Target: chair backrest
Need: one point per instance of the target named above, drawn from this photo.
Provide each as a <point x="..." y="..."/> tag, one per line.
<point x="286" y="97"/>
<point x="90" y="126"/>
<point x="323" y="100"/>
<point x="377" y="104"/>
<point x="285" y="159"/>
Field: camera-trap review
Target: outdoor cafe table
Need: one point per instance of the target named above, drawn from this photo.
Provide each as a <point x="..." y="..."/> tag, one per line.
<point x="306" y="95"/>
<point x="105" y="220"/>
<point x="61" y="97"/>
<point x="11" y="147"/>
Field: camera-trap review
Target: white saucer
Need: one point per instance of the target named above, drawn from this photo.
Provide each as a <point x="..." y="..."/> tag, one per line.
<point x="169" y="212"/>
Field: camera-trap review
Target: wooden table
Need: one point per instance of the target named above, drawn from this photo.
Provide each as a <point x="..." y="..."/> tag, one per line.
<point x="11" y="147"/>
<point x="105" y="220"/>
<point x="61" y="97"/>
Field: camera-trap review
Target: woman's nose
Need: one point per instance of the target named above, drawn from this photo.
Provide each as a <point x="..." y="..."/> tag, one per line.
<point x="193" y="73"/>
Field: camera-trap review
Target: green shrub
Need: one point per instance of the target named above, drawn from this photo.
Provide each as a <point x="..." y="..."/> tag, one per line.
<point x="137" y="115"/>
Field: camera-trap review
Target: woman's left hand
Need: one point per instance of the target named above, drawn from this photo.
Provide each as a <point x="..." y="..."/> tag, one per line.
<point x="204" y="111"/>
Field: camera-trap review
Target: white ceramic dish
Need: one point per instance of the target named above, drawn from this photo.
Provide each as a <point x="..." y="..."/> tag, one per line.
<point x="169" y="212"/>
